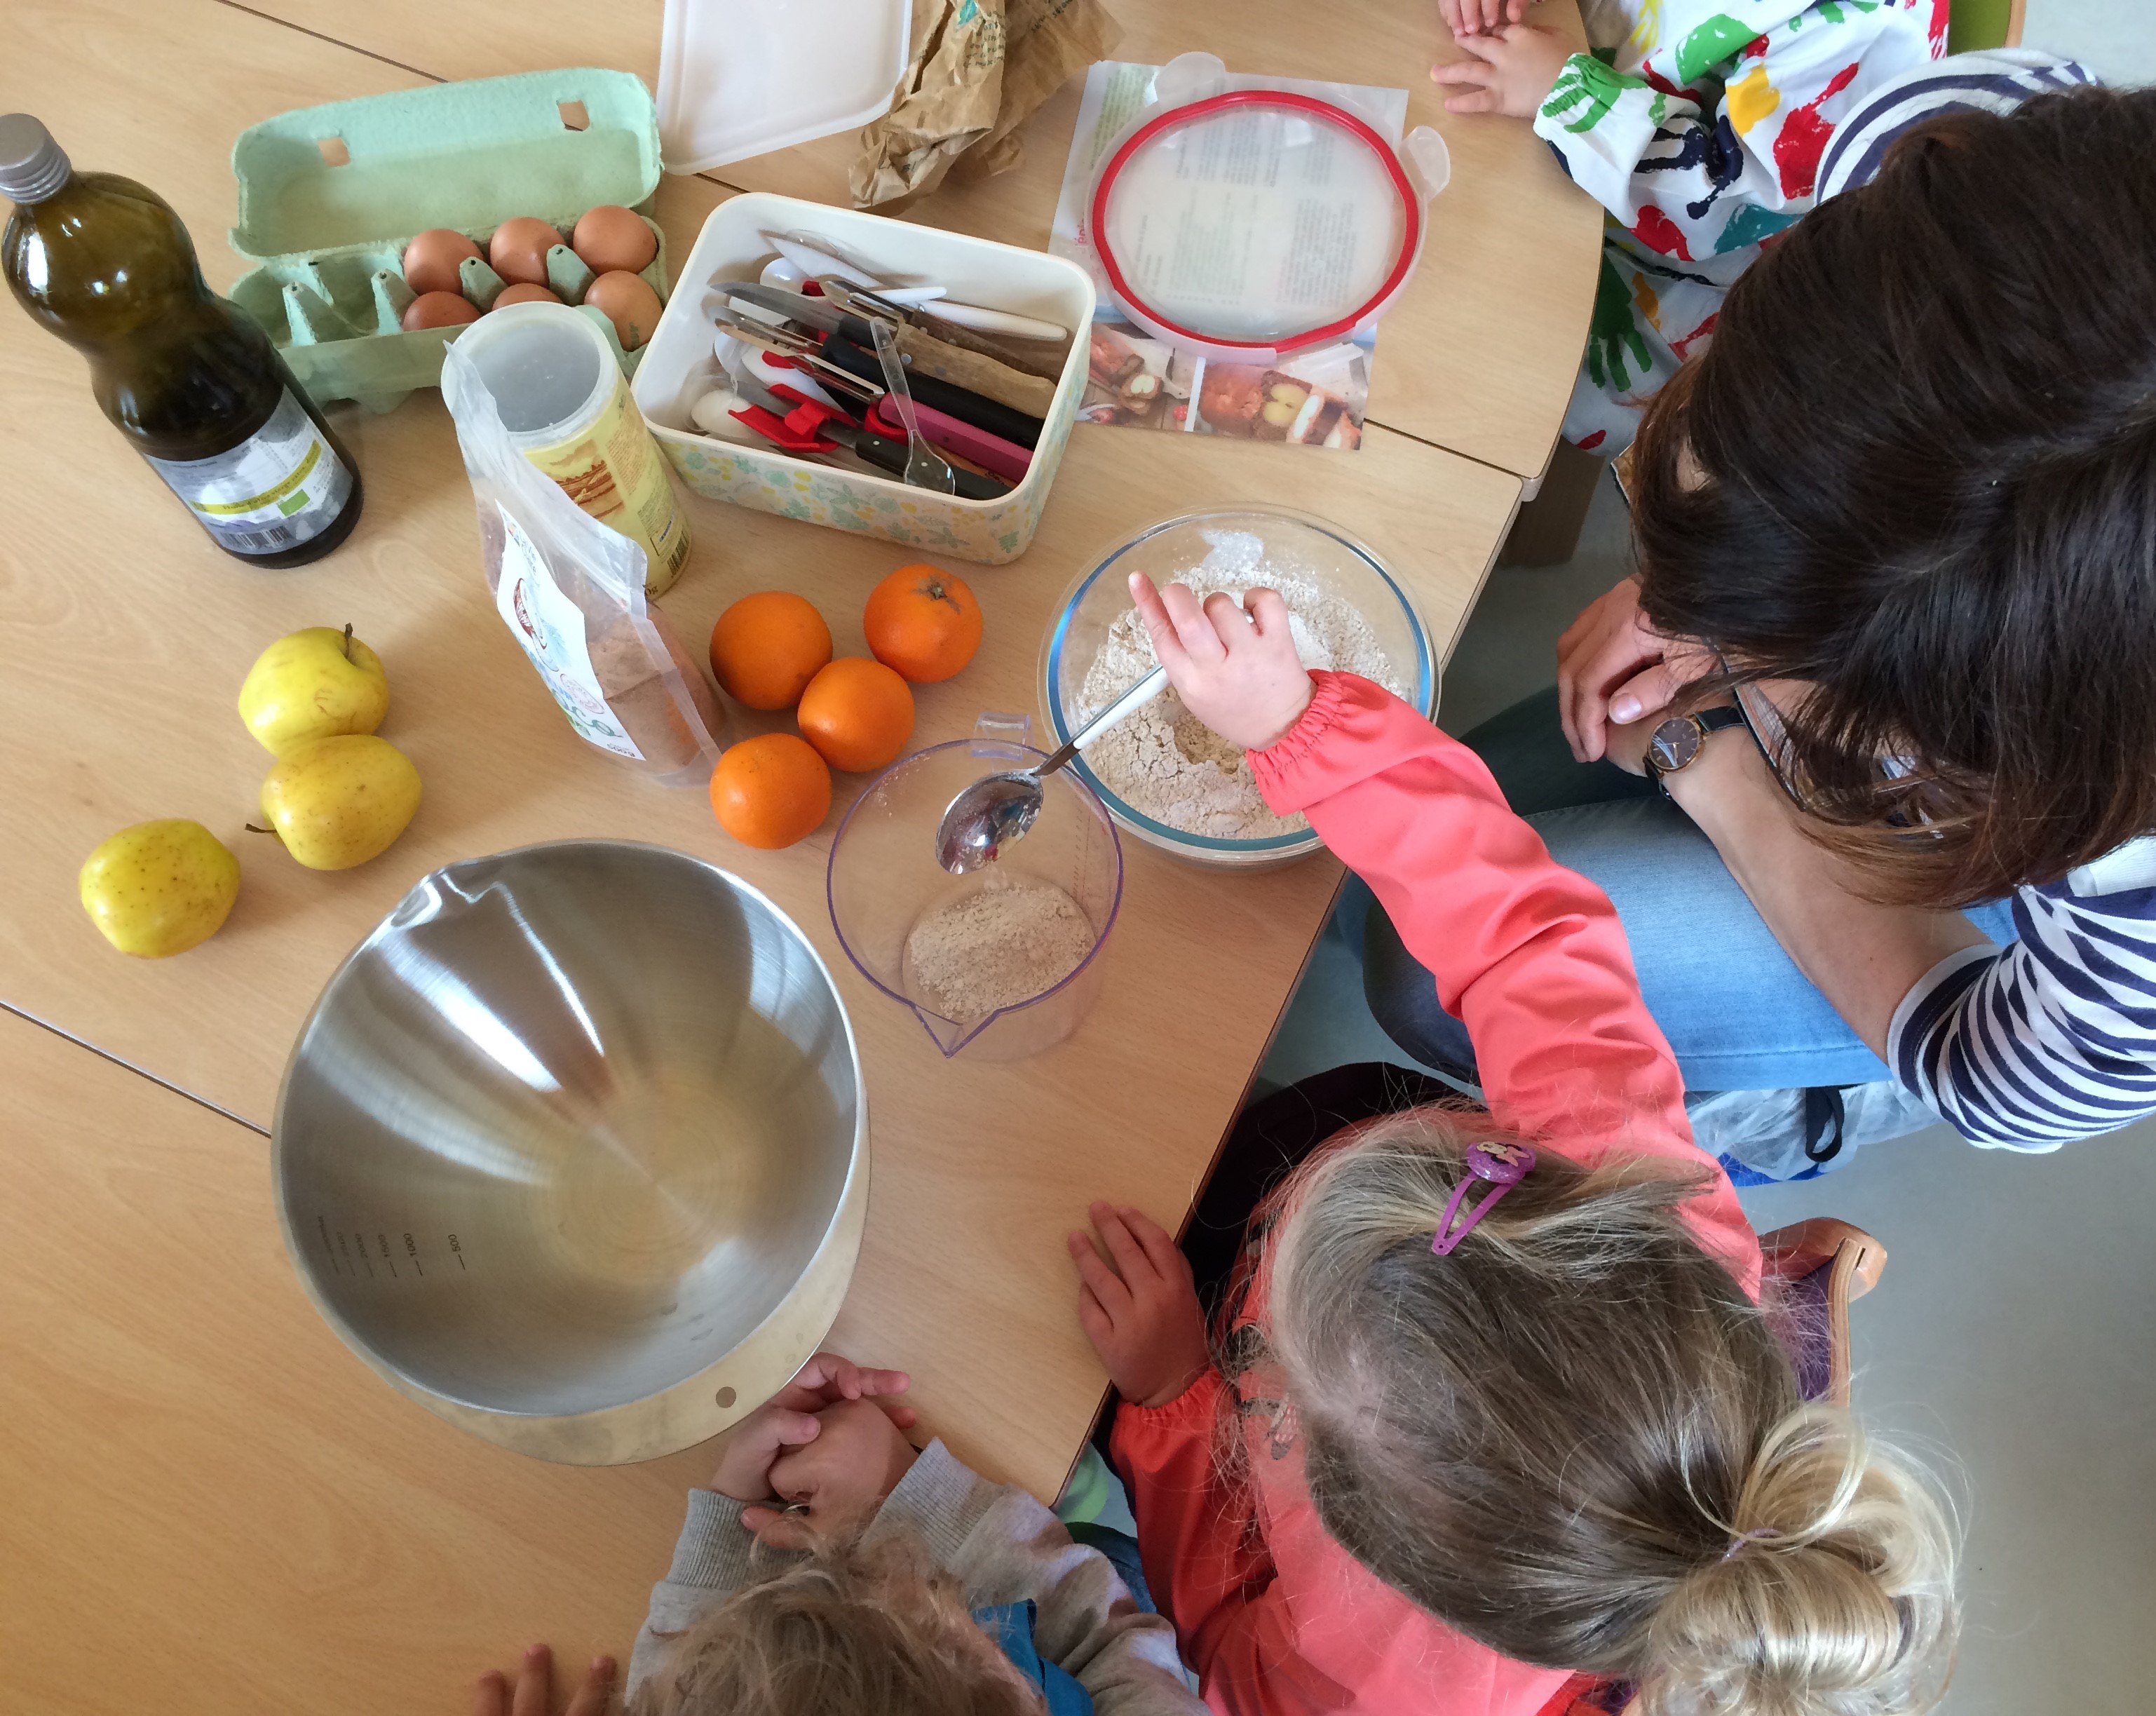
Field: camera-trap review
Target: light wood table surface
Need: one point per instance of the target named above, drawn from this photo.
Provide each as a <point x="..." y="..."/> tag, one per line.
<point x="209" y="1505"/>
<point x="1478" y="356"/>
<point x="124" y="635"/>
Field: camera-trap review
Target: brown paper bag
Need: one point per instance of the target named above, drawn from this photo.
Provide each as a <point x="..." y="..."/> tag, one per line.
<point x="1050" y="40"/>
<point x="946" y="102"/>
<point x="981" y="69"/>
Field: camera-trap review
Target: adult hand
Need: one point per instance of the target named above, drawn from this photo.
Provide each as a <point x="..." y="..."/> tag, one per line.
<point x="787" y="1419"/>
<point x="533" y="1694"/>
<point x="1139" y="1308"/>
<point x="1613" y="667"/>
<point x="1511" y="71"/>
<point x="1235" y="667"/>
<point x="837" y="1480"/>
<point x="1468" y="17"/>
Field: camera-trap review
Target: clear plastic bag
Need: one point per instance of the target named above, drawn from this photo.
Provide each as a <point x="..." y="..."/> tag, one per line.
<point x="571" y="591"/>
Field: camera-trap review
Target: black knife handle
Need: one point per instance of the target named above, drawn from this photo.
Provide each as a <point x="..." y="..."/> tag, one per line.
<point x="961" y="402"/>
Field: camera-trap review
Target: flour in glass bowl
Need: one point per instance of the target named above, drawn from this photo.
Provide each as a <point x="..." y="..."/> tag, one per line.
<point x="1166" y="764"/>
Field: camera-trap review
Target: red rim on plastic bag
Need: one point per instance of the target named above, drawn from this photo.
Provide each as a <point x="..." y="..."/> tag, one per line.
<point x="1162" y="282"/>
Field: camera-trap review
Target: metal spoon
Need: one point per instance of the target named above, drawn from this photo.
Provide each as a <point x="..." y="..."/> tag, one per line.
<point x="999" y="809"/>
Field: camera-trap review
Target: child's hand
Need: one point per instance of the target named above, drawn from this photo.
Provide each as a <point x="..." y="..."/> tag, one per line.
<point x="787" y="1420"/>
<point x="1236" y="671"/>
<point x="1471" y="17"/>
<point x="1142" y="1316"/>
<point x="1510" y="72"/>
<point x="534" y="1692"/>
<point x="841" y="1476"/>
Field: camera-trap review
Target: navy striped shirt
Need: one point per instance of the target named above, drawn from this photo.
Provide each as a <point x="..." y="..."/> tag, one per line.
<point x="2054" y="1038"/>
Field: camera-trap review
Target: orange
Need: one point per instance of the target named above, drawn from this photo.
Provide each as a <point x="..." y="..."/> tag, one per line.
<point x="767" y="647"/>
<point x="771" y="790"/>
<point x="858" y="713"/>
<point x="923" y="622"/>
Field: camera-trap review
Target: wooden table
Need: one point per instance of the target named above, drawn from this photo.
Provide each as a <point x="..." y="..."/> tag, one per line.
<point x="1479" y="357"/>
<point x="139" y="1221"/>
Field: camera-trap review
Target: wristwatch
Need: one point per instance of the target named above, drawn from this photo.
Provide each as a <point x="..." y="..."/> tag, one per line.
<point x="1677" y="742"/>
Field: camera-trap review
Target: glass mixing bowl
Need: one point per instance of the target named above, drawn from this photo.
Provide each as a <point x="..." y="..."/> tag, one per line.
<point x="1288" y="545"/>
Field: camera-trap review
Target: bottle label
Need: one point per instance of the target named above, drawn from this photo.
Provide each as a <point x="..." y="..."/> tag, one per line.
<point x="281" y="486"/>
<point x="551" y="628"/>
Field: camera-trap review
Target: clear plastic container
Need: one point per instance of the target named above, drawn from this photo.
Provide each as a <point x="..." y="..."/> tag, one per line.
<point x="884" y="879"/>
<point x="1242" y="220"/>
<point x="1298" y="545"/>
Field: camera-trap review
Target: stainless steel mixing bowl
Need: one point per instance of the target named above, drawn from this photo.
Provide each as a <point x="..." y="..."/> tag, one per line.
<point x="573" y="1149"/>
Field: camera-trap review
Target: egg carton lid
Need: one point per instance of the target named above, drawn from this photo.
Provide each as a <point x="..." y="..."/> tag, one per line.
<point x="738" y="81"/>
<point x="464" y="155"/>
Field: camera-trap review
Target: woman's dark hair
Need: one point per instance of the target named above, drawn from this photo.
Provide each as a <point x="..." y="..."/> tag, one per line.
<point x="1917" y="469"/>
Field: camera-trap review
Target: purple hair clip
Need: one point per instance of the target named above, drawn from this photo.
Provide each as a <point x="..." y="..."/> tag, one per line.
<point x="1503" y="1166"/>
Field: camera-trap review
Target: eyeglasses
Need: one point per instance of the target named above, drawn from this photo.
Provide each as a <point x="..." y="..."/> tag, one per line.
<point x="1763" y="720"/>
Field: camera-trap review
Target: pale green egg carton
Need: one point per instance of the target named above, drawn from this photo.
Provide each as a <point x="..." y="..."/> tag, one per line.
<point x="330" y="195"/>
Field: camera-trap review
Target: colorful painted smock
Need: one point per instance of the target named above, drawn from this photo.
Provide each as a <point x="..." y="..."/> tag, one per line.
<point x="1699" y="125"/>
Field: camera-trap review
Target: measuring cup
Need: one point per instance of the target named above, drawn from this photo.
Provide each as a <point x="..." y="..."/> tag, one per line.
<point x="884" y="879"/>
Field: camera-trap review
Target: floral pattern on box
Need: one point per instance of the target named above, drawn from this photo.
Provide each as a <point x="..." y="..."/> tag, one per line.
<point x="844" y="501"/>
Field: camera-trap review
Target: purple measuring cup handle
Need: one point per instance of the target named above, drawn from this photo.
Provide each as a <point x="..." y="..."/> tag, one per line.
<point x="1502" y="1167"/>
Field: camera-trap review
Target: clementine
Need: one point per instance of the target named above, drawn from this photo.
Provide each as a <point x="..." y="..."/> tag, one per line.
<point x="767" y="647"/>
<point x="771" y="790"/>
<point x="923" y="622"/>
<point x="858" y="713"/>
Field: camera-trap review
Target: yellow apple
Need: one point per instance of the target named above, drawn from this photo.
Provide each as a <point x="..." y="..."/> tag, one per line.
<point x="340" y="801"/>
<point x="314" y="684"/>
<point x="159" y="888"/>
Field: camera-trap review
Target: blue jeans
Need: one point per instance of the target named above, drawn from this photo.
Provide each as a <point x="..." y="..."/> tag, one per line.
<point x="1736" y="1010"/>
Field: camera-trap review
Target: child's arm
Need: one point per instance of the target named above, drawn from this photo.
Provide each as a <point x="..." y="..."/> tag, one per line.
<point x="1205" y="1562"/>
<point x="1529" y="955"/>
<point x="1714" y="142"/>
<point x="1009" y="1549"/>
<point x="717" y="1550"/>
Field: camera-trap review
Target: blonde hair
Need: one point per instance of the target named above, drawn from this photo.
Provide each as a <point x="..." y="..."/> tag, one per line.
<point x="857" y="1630"/>
<point x="1577" y="1439"/>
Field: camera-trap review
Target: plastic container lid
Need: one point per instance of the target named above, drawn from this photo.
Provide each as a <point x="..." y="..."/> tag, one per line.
<point x="1256" y="219"/>
<point x="738" y="81"/>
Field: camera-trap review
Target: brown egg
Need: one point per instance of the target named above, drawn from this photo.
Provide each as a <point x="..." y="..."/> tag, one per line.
<point x="431" y="260"/>
<point x="439" y="310"/>
<point x="629" y="304"/>
<point x="610" y="237"/>
<point x="523" y="293"/>
<point x="518" y="249"/>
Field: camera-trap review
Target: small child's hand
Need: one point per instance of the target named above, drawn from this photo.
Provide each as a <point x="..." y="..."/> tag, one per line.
<point x="1234" y="668"/>
<point x="1142" y="1315"/>
<point x="787" y="1421"/>
<point x="534" y="1692"/>
<point x="1471" y="17"/>
<point x="837" y="1479"/>
<point x="1510" y="72"/>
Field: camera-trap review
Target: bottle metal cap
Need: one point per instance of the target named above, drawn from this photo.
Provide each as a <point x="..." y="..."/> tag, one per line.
<point x="32" y="164"/>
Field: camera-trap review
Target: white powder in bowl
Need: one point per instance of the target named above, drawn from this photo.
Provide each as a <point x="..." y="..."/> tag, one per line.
<point x="1004" y="944"/>
<point x="1166" y="764"/>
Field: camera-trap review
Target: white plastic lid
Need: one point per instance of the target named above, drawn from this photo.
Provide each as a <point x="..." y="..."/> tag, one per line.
<point x="1256" y="218"/>
<point x="738" y="81"/>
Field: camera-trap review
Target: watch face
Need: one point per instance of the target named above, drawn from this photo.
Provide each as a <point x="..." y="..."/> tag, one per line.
<point x="1674" y="743"/>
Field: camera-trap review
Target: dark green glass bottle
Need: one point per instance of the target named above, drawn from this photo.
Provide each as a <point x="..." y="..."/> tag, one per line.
<point x="195" y="385"/>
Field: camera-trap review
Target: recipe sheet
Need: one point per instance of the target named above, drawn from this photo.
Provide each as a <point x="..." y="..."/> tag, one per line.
<point x="1315" y="397"/>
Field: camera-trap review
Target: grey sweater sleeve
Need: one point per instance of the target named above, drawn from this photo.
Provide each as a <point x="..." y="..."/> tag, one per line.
<point x="714" y="1558"/>
<point x="1008" y="1548"/>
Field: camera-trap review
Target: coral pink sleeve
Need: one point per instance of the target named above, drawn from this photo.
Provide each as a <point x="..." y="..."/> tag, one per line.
<point x="1209" y="1572"/>
<point x="1527" y="954"/>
